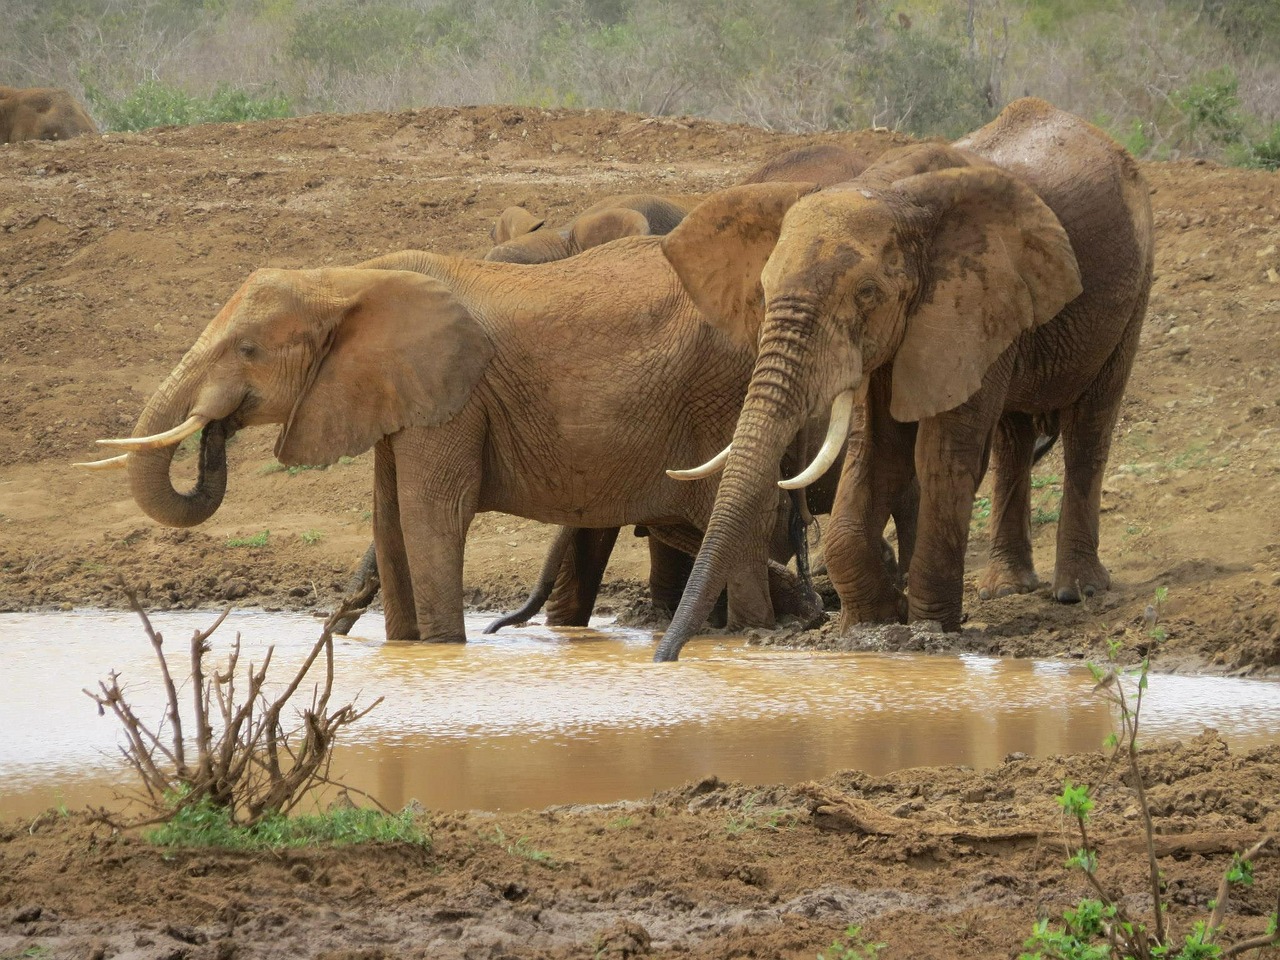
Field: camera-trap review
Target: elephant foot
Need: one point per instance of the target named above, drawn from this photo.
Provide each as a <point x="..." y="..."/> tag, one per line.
<point x="1074" y="583"/>
<point x="1001" y="579"/>
<point x="890" y="608"/>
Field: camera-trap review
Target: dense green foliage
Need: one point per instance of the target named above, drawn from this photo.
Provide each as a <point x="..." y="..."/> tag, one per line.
<point x="1168" y="77"/>
<point x="204" y="824"/>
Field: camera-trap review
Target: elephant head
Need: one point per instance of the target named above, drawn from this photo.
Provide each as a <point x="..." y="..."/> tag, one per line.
<point x="933" y="261"/>
<point x="521" y="237"/>
<point x="41" y="113"/>
<point x="338" y="357"/>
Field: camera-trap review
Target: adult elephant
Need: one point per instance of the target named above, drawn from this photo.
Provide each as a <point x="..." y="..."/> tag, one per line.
<point x="441" y="364"/>
<point x="570" y="578"/>
<point x="520" y="237"/>
<point x="966" y="292"/>
<point x="41" y="113"/>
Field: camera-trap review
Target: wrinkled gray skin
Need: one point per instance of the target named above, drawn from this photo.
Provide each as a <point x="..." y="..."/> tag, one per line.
<point x="977" y="293"/>
<point x="41" y="113"/>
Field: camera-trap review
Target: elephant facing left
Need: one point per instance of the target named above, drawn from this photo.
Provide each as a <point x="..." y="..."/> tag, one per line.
<point x="560" y="393"/>
<point x="41" y="113"/>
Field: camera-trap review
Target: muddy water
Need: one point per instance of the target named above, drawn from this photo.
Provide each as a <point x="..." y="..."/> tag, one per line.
<point x="536" y="716"/>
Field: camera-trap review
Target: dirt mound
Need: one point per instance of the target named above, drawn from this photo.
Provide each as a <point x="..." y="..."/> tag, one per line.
<point x="116" y="251"/>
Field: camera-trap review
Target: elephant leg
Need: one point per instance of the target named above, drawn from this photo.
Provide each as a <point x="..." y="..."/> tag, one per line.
<point x="1087" y="428"/>
<point x="1010" y="567"/>
<point x="951" y="455"/>
<point x="578" y="581"/>
<point x="793" y="596"/>
<point x="669" y="570"/>
<point x="878" y="473"/>
<point x="438" y="485"/>
<point x="389" y="546"/>
<point x="680" y="544"/>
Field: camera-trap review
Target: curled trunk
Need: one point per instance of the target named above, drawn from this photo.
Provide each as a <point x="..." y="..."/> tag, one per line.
<point x="149" y="480"/>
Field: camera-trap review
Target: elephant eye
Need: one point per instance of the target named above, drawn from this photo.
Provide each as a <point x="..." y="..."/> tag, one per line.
<point x="868" y="294"/>
<point x="247" y="349"/>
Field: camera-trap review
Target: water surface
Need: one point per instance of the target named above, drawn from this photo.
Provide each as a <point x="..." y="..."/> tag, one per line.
<point x="536" y="715"/>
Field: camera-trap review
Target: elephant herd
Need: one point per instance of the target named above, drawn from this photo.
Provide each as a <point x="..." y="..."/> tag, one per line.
<point x="924" y="312"/>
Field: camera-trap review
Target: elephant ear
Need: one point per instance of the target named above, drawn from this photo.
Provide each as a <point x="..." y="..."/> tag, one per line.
<point x="721" y="247"/>
<point x="403" y="352"/>
<point x="592" y="229"/>
<point x="999" y="264"/>
<point x="514" y="222"/>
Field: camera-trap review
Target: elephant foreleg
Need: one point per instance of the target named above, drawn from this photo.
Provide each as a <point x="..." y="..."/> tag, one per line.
<point x="951" y="454"/>
<point x="877" y="478"/>
<point x="388" y="541"/>
<point x="1010" y="566"/>
<point x="669" y="570"/>
<point x="437" y="482"/>
<point x="1087" y="429"/>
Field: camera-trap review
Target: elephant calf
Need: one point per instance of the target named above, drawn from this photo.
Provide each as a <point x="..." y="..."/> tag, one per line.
<point x="41" y="113"/>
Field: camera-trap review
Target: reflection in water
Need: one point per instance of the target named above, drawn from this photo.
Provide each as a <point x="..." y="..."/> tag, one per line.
<point x="536" y="715"/>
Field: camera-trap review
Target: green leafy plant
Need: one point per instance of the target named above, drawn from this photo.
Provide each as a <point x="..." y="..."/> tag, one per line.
<point x="156" y="104"/>
<point x="257" y="540"/>
<point x="311" y="537"/>
<point x="851" y="945"/>
<point x="1102" y="928"/>
<point x="205" y="824"/>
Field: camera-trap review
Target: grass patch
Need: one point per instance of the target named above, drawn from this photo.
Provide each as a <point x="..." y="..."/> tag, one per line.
<point x="311" y="537"/>
<point x="204" y="824"/>
<point x="522" y="848"/>
<point x="851" y="945"/>
<point x="257" y="540"/>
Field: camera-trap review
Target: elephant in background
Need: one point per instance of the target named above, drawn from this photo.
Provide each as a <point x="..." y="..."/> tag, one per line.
<point x="520" y="237"/>
<point x="965" y="296"/>
<point x="440" y="365"/>
<point x="41" y="113"/>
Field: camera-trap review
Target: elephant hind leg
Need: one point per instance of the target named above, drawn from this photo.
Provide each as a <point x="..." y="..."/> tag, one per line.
<point x="578" y="581"/>
<point x="1087" y="429"/>
<point x="1010" y="567"/>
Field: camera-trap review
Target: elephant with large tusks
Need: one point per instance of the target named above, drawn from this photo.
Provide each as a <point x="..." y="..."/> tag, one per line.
<point x="558" y="392"/>
<point x="958" y="296"/>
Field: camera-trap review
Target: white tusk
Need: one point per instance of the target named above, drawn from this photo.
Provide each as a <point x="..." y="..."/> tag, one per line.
<point x="114" y="463"/>
<point x="166" y="439"/>
<point x="837" y="433"/>
<point x="712" y="466"/>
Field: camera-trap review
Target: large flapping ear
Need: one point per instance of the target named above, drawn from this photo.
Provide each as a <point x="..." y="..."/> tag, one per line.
<point x="404" y="352"/>
<point x="720" y="248"/>
<point x="514" y="222"/>
<point x="998" y="263"/>
<point x="592" y="229"/>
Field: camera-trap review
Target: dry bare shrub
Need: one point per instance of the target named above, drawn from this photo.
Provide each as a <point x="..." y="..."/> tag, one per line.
<point x="246" y="760"/>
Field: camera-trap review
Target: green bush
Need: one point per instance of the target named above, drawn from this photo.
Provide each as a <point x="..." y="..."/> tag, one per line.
<point x="156" y="104"/>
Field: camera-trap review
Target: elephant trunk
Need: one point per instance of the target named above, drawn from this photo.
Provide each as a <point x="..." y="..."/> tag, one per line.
<point x="149" y="480"/>
<point x="771" y="414"/>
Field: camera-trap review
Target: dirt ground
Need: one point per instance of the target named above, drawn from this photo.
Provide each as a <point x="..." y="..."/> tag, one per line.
<point x="116" y="251"/>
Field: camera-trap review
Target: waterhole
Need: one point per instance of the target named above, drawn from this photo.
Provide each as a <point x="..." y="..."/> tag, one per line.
<point x="536" y="716"/>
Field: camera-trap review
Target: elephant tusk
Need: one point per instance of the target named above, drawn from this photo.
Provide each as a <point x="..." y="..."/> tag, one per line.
<point x="837" y="433"/>
<point x="113" y="463"/>
<point x="156" y="440"/>
<point x="711" y="467"/>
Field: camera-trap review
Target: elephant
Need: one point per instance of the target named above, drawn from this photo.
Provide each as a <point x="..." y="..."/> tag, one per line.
<point x="521" y="238"/>
<point x="444" y="366"/>
<point x="41" y="113"/>
<point x="957" y="298"/>
<point x="569" y="585"/>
